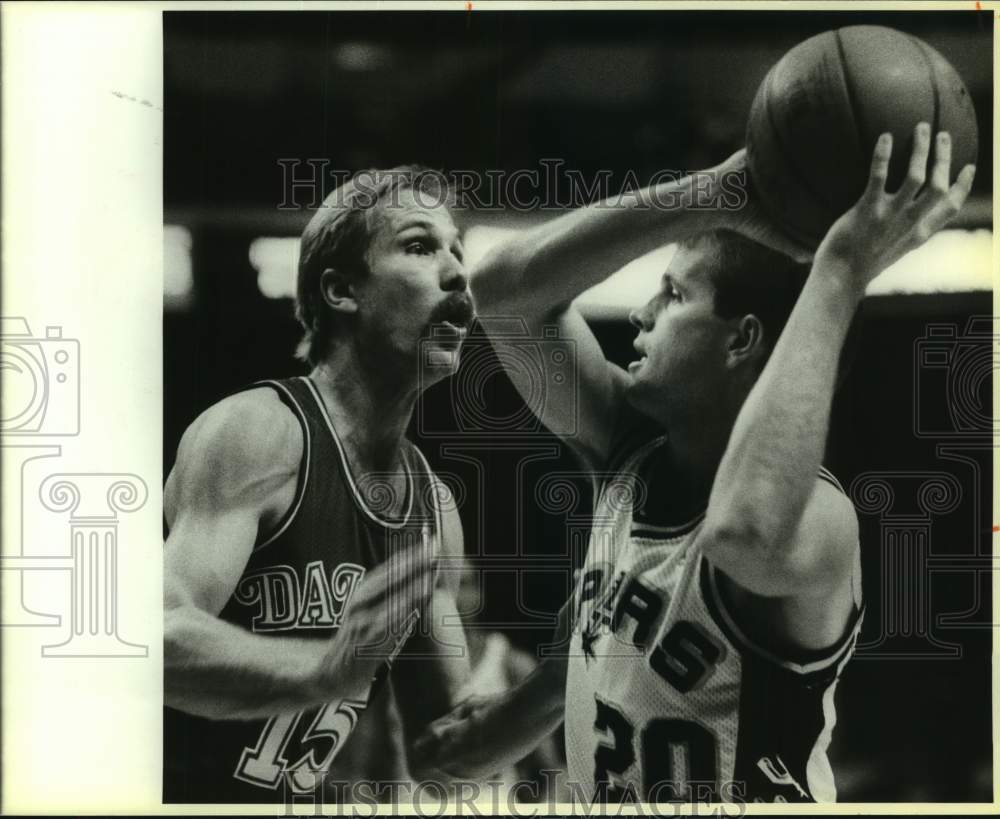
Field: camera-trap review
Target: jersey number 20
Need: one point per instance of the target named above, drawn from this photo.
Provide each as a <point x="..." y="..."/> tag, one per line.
<point x="659" y="742"/>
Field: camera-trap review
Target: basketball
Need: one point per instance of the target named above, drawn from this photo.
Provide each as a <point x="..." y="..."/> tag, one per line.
<point x="819" y="111"/>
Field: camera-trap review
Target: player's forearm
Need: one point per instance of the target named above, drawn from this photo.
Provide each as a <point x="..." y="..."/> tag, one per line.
<point x="545" y="268"/>
<point x="538" y="703"/>
<point x="769" y="468"/>
<point x="530" y="711"/>
<point x="217" y="670"/>
<point x="522" y="717"/>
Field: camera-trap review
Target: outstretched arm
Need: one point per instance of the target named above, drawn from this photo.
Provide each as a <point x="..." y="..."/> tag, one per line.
<point x="768" y="526"/>
<point x="535" y="276"/>
<point x="543" y="269"/>
<point x="231" y="466"/>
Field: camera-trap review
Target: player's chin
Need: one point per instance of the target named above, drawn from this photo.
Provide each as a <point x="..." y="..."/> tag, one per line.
<point x="439" y="361"/>
<point x="638" y="375"/>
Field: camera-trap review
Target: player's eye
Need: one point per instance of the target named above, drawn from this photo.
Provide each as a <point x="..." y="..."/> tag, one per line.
<point x="418" y="246"/>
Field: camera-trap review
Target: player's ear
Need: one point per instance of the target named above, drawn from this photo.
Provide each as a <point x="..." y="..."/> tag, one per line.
<point x="337" y="291"/>
<point x="746" y="340"/>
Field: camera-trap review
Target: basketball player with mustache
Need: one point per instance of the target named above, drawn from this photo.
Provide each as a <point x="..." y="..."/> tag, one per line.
<point x="306" y="533"/>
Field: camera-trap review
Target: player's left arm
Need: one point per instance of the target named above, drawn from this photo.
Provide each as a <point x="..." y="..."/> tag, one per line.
<point x="771" y="526"/>
<point x="434" y="666"/>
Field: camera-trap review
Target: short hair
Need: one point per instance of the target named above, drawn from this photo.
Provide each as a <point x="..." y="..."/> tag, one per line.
<point x="751" y="278"/>
<point x="339" y="236"/>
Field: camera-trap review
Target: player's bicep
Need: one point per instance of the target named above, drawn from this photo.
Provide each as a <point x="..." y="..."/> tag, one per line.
<point x="229" y="464"/>
<point x="564" y="378"/>
<point x="204" y="556"/>
<point x="819" y="556"/>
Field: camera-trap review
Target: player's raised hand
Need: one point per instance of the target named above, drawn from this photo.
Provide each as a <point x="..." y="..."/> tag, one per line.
<point x="381" y="614"/>
<point x="882" y="226"/>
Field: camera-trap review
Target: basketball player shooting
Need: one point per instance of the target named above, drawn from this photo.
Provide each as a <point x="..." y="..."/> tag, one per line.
<point x="306" y="534"/>
<point x="720" y="597"/>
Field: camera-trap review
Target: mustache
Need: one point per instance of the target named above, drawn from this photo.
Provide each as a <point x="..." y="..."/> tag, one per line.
<point x="456" y="308"/>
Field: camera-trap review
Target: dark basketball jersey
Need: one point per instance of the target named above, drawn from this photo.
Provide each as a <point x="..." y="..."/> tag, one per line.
<point x="667" y="698"/>
<point x="297" y="582"/>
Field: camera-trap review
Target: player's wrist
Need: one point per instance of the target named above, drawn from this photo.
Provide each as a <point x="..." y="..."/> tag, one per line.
<point x="843" y="276"/>
<point x="334" y="672"/>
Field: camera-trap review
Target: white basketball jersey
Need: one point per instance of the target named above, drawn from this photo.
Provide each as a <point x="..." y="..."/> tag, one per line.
<point x="666" y="698"/>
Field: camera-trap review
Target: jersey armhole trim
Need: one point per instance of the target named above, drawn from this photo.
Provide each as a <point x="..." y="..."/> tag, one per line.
<point x="436" y="496"/>
<point x="826" y="475"/>
<point x="807" y="663"/>
<point x="303" y="478"/>
<point x="626" y="460"/>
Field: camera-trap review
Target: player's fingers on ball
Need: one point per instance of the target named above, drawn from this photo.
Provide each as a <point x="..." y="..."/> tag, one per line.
<point x="941" y="174"/>
<point x="949" y="205"/>
<point x="916" y="174"/>
<point x="880" y="166"/>
<point x="960" y="191"/>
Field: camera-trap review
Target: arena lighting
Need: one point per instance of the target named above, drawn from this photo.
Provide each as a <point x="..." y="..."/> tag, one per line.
<point x="178" y="281"/>
<point x="358" y="57"/>
<point x="952" y="261"/>
<point x="276" y="260"/>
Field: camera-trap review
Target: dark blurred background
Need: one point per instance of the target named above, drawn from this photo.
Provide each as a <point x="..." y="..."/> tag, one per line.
<point x="627" y="92"/>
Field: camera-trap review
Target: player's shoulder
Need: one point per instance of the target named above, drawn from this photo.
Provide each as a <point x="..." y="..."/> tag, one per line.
<point x="244" y="439"/>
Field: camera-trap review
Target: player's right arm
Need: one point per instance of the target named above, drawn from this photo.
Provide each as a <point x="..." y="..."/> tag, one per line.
<point x="234" y="465"/>
<point x="536" y="275"/>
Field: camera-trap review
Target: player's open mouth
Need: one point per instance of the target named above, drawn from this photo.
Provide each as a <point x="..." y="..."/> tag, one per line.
<point x="635" y="365"/>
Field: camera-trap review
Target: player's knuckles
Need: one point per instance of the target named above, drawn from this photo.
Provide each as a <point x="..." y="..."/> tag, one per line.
<point x="938" y="188"/>
<point x="951" y="205"/>
<point x="922" y="232"/>
<point x="915" y="177"/>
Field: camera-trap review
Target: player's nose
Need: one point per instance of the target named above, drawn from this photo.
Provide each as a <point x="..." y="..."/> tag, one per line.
<point x="637" y="317"/>
<point x="453" y="277"/>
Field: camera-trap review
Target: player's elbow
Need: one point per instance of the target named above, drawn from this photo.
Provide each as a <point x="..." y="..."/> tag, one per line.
<point x="182" y="632"/>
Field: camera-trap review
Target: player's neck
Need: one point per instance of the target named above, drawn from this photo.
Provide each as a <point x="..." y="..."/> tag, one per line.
<point x="696" y="450"/>
<point x="371" y="414"/>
